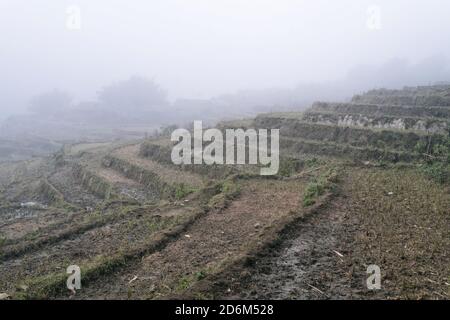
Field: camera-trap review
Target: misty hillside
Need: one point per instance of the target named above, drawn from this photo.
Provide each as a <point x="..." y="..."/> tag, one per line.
<point x="130" y="109"/>
<point x="258" y="154"/>
<point x="370" y="173"/>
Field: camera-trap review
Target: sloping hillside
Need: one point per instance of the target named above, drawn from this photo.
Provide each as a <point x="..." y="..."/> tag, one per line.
<point x="354" y="189"/>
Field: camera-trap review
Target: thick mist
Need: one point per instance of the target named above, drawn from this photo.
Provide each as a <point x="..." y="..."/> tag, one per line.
<point x="106" y="70"/>
<point x="202" y="49"/>
<point x="224" y="150"/>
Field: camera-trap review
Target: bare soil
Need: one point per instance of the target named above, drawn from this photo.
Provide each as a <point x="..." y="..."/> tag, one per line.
<point x="131" y="231"/>
<point x="396" y="219"/>
<point x="208" y="243"/>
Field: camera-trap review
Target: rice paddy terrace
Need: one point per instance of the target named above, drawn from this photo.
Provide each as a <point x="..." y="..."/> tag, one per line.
<point x="352" y="191"/>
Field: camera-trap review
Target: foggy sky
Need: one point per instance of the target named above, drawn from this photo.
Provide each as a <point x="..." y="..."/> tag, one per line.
<point x="202" y="48"/>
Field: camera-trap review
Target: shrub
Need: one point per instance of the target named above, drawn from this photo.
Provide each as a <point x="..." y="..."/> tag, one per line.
<point x="318" y="186"/>
<point x="437" y="166"/>
<point x="438" y="171"/>
<point x="288" y="166"/>
<point x="182" y="191"/>
<point x="2" y="240"/>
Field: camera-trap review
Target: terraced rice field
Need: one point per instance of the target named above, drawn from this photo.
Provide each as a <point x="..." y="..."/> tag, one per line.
<point x="351" y="191"/>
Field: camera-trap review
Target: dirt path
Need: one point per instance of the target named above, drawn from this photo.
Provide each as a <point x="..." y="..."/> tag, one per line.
<point x="394" y="218"/>
<point x="299" y="267"/>
<point x="211" y="240"/>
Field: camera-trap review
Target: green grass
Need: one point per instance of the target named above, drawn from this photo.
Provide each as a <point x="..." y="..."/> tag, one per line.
<point x="288" y="166"/>
<point x="200" y="275"/>
<point x="229" y="190"/>
<point x="437" y="164"/>
<point x="156" y="223"/>
<point x="182" y="190"/>
<point x="438" y="171"/>
<point x="187" y="281"/>
<point x="2" y="240"/>
<point x="184" y="283"/>
<point x="319" y="185"/>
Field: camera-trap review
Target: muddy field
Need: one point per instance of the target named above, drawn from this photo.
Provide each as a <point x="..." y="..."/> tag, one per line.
<point x="346" y="197"/>
<point x="244" y="237"/>
<point x="325" y="256"/>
